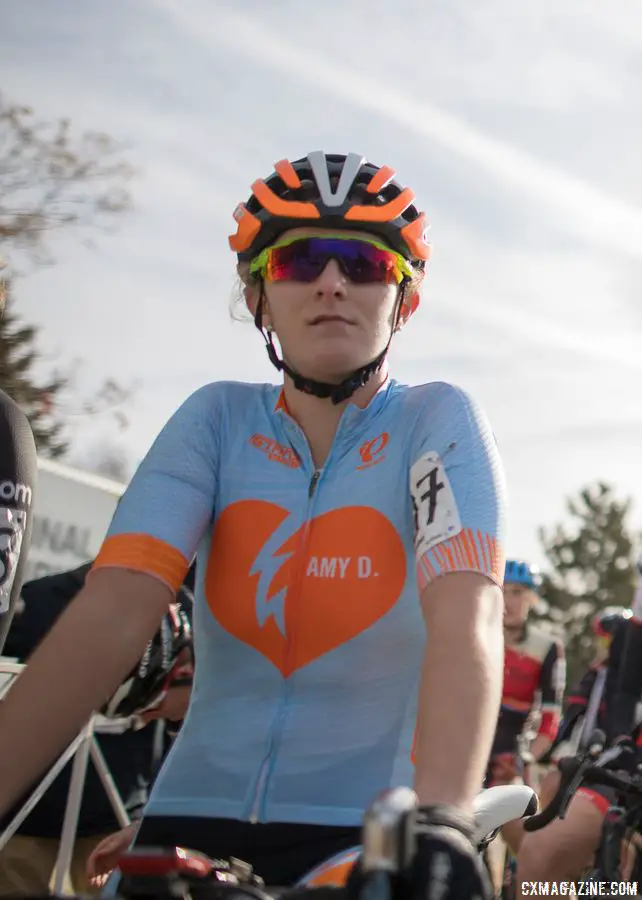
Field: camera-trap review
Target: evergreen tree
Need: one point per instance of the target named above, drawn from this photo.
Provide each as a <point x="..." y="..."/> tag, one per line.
<point x="18" y="356"/>
<point x="592" y="566"/>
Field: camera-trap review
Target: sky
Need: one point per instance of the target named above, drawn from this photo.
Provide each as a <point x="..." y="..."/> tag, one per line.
<point x="518" y="126"/>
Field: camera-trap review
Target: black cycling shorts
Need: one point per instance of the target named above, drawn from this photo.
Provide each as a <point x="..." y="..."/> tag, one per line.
<point x="280" y="852"/>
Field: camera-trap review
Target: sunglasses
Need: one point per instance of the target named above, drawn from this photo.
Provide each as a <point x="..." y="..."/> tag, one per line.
<point x="304" y="258"/>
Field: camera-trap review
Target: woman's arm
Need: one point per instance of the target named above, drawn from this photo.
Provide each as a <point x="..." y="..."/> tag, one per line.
<point x="552" y="685"/>
<point x="458" y="496"/>
<point x="87" y="654"/>
<point x="460" y="691"/>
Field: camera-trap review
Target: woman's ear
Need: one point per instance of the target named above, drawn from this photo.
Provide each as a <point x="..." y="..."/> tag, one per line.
<point x="412" y="297"/>
<point x="408" y="307"/>
<point x="410" y="304"/>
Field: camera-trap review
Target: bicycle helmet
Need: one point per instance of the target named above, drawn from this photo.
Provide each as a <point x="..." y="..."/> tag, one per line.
<point x="166" y="657"/>
<point x="332" y="191"/>
<point x="519" y="572"/>
<point x="607" y="621"/>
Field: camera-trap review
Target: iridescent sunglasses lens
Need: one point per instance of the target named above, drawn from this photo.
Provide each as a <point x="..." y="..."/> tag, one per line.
<point x="304" y="259"/>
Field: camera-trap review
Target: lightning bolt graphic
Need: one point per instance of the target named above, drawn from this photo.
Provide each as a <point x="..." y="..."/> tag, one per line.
<point x="268" y="564"/>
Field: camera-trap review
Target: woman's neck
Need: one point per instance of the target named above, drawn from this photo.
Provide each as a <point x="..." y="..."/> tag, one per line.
<point x="319" y="418"/>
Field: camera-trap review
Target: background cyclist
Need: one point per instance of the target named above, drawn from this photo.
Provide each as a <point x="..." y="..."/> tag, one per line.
<point x="625" y="686"/>
<point x="534" y="683"/>
<point x="563" y="849"/>
<point x="534" y="676"/>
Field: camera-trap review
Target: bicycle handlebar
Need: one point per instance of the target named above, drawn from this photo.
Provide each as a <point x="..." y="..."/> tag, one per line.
<point x="576" y="771"/>
<point x="388" y="847"/>
<point x="554" y="808"/>
<point x="148" y="872"/>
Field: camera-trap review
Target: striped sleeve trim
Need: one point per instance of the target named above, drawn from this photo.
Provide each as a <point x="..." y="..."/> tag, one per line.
<point x="468" y="551"/>
<point x="144" y="553"/>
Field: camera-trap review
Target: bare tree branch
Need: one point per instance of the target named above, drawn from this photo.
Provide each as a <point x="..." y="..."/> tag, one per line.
<point x="51" y="179"/>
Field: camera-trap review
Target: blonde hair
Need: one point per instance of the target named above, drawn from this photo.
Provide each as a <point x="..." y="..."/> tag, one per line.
<point x="238" y="303"/>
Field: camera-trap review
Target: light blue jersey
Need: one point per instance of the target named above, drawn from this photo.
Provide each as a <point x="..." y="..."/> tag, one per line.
<point x="309" y="634"/>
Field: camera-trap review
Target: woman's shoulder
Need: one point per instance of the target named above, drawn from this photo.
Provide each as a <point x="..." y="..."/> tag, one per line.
<point x="439" y="396"/>
<point x="230" y="395"/>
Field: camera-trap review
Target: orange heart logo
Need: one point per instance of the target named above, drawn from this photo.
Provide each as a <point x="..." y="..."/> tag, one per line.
<point x="295" y="597"/>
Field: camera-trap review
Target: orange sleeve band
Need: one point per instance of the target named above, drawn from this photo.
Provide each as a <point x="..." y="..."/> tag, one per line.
<point x="144" y="553"/>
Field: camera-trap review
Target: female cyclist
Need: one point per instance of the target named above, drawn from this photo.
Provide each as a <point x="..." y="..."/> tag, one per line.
<point x="348" y="532"/>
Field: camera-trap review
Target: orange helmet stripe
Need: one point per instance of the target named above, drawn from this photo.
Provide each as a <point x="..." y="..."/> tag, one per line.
<point x="386" y="213"/>
<point x="285" y="169"/>
<point x="413" y="236"/>
<point x="247" y="230"/>
<point x="381" y="179"/>
<point x="279" y="207"/>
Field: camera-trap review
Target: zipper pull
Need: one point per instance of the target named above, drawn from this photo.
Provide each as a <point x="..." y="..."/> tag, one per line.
<point x="313" y="484"/>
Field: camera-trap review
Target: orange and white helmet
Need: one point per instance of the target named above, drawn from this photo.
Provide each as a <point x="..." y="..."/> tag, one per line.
<point x="332" y="191"/>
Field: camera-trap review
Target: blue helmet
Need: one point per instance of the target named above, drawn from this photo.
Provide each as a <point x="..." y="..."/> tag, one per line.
<point x="519" y="572"/>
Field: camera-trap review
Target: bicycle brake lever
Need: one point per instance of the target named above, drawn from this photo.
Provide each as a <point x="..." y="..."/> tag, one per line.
<point x="573" y="785"/>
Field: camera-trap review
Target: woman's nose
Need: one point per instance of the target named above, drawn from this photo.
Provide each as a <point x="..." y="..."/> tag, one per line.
<point x="332" y="281"/>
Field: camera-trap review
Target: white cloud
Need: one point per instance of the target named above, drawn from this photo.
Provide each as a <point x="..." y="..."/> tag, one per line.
<point x="596" y="217"/>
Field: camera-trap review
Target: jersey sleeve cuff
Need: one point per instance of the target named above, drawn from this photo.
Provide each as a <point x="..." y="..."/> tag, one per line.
<point x="144" y="553"/>
<point x="468" y="551"/>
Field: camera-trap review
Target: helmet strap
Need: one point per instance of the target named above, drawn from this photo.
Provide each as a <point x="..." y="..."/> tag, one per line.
<point x="337" y="393"/>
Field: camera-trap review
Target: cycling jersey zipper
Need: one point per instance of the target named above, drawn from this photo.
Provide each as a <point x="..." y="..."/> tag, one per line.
<point x="313" y="483"/>
<point x="260" y="784"/>
<point x="264" y="771"/>
<point x="299" y="573"/>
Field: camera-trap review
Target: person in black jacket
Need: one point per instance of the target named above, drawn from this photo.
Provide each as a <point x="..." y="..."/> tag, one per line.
<point x="623" y="717"/>
<point x="565" y="847"/>
<point x="27" y="861"/>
